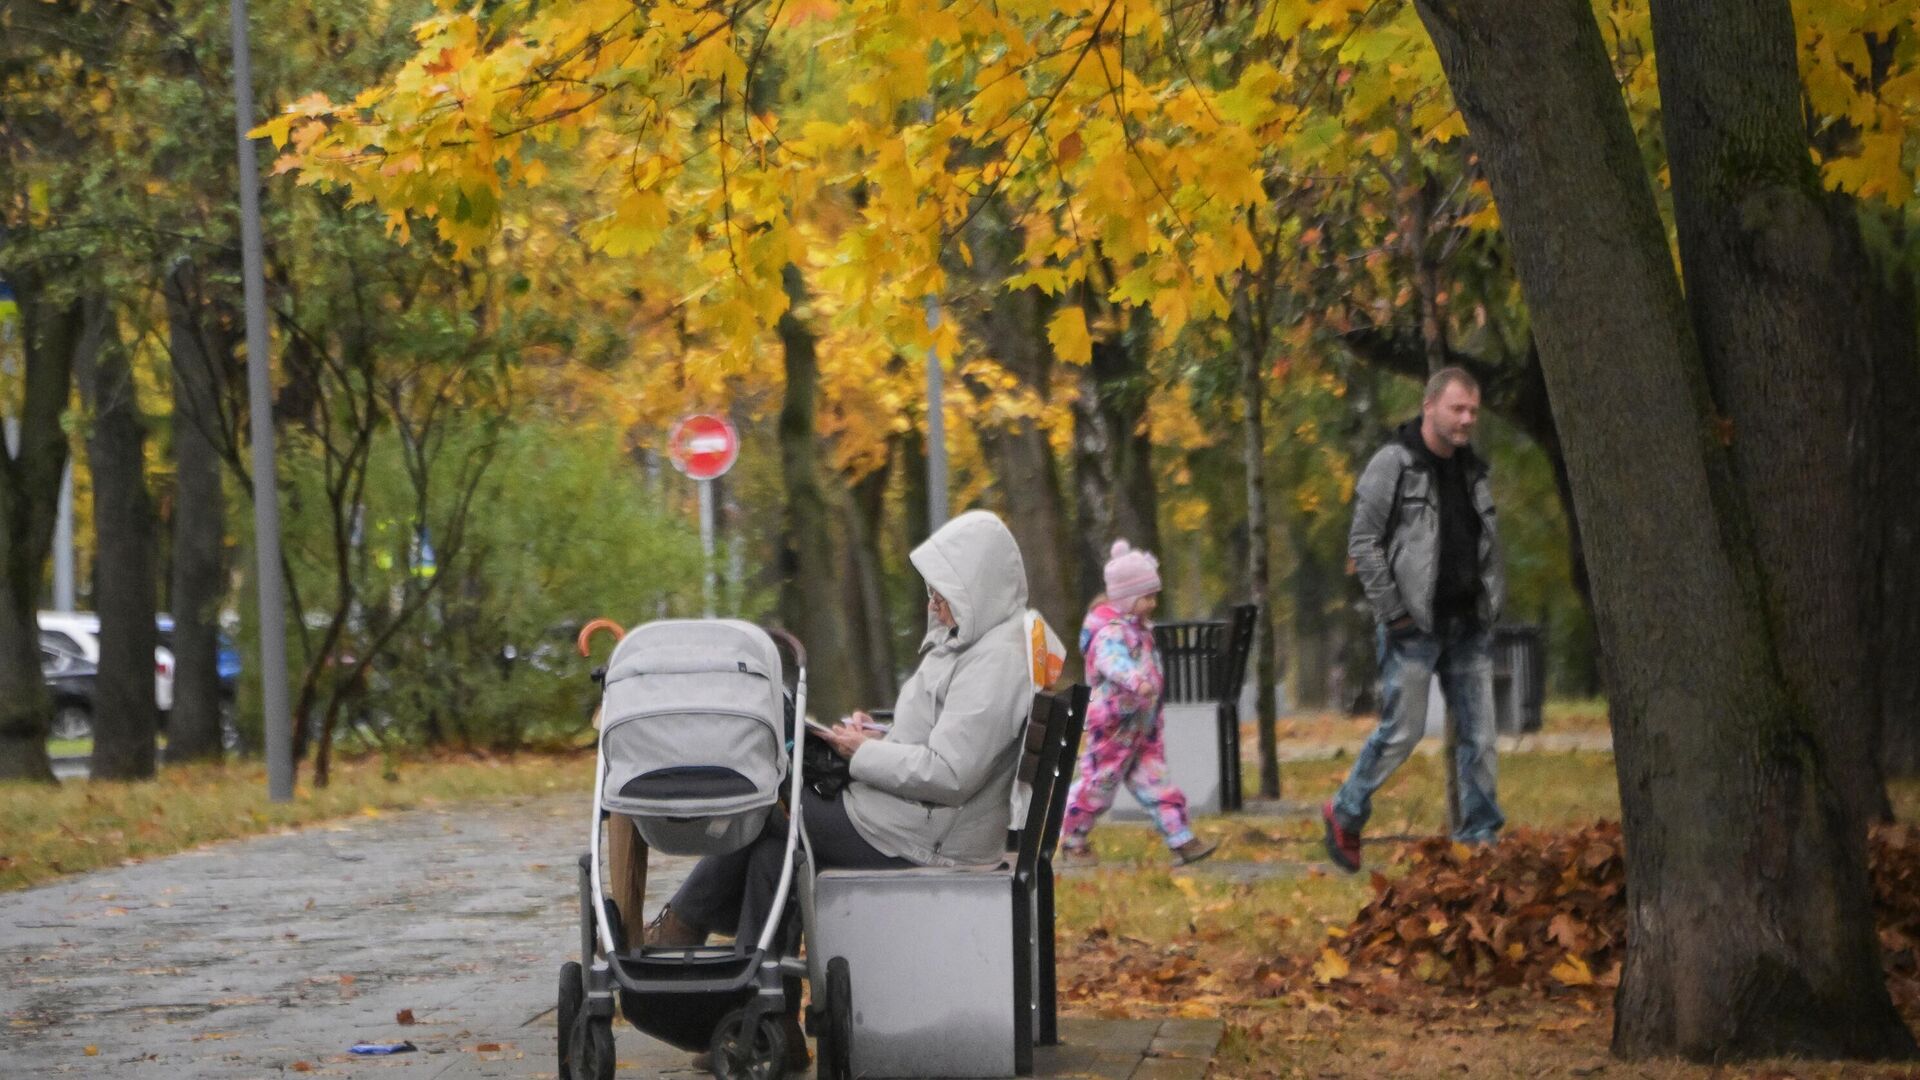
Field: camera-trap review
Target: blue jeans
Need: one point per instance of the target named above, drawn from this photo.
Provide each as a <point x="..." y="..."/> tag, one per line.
<point x="1460" y="652"/>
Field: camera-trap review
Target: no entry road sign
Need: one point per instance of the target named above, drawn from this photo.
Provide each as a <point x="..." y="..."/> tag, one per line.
<point x="703" y="446"/>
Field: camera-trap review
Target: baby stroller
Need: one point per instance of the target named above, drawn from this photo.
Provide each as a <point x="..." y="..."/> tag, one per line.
<point x="697" y="738"/>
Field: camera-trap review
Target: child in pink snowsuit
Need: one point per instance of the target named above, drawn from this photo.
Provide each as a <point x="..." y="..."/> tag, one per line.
<point x="1123" y="732"/>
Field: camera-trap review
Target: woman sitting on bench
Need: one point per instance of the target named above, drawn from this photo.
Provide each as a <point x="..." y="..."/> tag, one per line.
<point x="935" y="790"/>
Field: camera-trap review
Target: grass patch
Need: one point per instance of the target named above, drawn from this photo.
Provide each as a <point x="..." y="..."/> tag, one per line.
<point x="1140" y="939"/>
<point x="47" y="832"/>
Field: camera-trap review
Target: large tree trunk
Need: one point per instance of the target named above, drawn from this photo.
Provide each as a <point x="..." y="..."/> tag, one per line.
<point x="1013" y="327"/>
<point x="125" y="715"/>
<point x="1776" y="281"/>
<point x="872" y="630"/>
<point x="1750" y="930"/>
<point x="1891" y="497"/>
<point x="53" y="334"/>
<point x="199" y="526"/>
<point x="1113" y="452"/>
<point x="810" y="594"/>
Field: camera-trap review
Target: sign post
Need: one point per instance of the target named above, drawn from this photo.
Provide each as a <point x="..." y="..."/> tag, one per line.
<point x="704" y="447"/>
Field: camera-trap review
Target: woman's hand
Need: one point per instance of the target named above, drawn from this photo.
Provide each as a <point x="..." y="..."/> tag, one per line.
<point x="847" y="737"/>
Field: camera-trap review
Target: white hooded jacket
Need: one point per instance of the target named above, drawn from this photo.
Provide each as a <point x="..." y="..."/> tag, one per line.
<point x="935" y="790"/>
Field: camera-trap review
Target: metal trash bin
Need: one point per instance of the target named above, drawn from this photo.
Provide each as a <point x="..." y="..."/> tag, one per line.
<point x="1206" y="664"/>
<point x="1519" y="677"/>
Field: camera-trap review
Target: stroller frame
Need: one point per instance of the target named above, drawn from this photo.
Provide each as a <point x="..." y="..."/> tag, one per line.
<point x="758" y="975"/>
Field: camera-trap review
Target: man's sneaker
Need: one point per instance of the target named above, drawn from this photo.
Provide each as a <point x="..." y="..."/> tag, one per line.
<point x="1075" y="857"/>
<point x="1193" y="851"/>
<point x="1343" y="845"/>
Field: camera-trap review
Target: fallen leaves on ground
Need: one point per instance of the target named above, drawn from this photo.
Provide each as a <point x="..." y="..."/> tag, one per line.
<point x="1546" y="911"/>
<point x="1894" y="862"/>
<point x="1541" y="915"/>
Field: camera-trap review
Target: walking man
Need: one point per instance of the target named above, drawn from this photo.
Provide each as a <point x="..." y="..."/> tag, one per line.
<point x="1426" y="549"/>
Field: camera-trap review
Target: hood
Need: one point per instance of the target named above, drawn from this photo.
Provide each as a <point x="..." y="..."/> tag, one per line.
<point x="974" y="562"/>
<point x="1097" y="617"/>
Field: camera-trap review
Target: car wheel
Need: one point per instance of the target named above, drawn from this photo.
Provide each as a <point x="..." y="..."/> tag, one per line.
<point x="72" y="721"/>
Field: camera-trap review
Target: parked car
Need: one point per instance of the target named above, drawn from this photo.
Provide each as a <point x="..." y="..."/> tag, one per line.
<point x="78" y="633"/>
<point x="69" y="678"/>
<point x="227" y="662"/>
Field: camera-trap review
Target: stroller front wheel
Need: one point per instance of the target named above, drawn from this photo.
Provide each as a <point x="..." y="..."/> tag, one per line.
<point x="591" y="1047"/>
<point x="573" y="996"/>
<point x="740" y="1054"/>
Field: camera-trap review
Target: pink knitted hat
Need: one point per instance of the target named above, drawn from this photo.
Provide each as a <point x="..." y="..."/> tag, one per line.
<point x="1131" y="573"/>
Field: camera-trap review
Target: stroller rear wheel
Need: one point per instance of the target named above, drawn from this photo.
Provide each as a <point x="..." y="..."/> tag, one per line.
<point x="742" y="1054"/>
<point x="591" y="1047"/>
<point x="573" y="995"/>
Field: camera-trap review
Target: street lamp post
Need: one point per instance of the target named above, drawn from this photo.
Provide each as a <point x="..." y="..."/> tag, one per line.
<point x="266" y="500"/>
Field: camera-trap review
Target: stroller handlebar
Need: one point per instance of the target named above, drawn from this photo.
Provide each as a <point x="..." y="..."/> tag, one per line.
<point x="585" y="641"/>
<point x="791" y="642"/>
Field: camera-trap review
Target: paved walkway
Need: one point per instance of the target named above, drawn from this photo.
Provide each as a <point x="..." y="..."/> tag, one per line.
<point x="273" y="955"/>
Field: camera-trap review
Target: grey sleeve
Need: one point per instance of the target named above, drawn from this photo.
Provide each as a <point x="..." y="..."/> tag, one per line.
<point x="981" y="717"/>
<point x="1367" y="541"/>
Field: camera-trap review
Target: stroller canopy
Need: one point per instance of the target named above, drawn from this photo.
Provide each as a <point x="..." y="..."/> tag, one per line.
<point x="693" y="723"/>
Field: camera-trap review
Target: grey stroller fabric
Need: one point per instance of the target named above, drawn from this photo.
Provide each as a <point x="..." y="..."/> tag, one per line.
<point x="693" y="733"/>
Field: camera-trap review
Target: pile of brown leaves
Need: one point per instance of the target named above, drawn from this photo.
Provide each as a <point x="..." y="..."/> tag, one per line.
<point x="1547" y="911"/>
<point x="1542" y="910"/>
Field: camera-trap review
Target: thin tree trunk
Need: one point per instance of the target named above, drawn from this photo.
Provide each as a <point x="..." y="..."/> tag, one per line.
<point x="199" y="528"/>
<point x="53" y="334"/>
<point x="125" y="715"/>
<point x="1250" y="333"/>
<point x="1312" y="586"/>
<point x="810" y="594"/>
<point x="1750" y="930"/>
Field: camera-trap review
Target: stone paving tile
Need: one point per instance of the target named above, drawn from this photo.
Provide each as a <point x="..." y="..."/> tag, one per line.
<point x="244" y="959"/>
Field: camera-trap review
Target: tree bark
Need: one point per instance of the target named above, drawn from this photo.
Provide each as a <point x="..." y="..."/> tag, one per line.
<point x="1750" y="931"/>
<point x="199" y="526"/>
<point x="1252" y="338"/>
<point x="1777" y="285"/>
<point x="1890" y="486"/>
<point x="125" y="715"/>
<point x="866" y="588"/>
<point x="1013" y="327"/>
<point x="1312" y="588"/>
<point x="1113" y="452"/>
<point x="53" y="333"/>
<point x="810" y="593"/>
